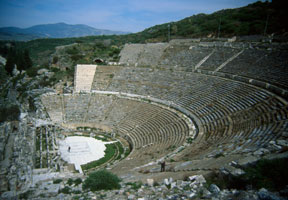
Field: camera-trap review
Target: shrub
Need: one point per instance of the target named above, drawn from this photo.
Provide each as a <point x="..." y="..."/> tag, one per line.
<point x="77" y="57"/>
<point x="65" y="190"/>
<point x="9" y="113"/>
<point x="270" y="174"/>
<point x="135" y="185"/>
<point x="190" y="140"/>
<point x="70" y="181"/>
<point x="54" y="69"/>
<point x="72" y="51"/>
<point x="218" y="155"/>
<point x="77" y="181"/>
<point x="32" y="72"/>
<point x="55" y="59"/>
<point x="25" y="195"/>
<point x="101" y="180"/>
<point x="57" y="181"/>
<point x="76" y="192"/>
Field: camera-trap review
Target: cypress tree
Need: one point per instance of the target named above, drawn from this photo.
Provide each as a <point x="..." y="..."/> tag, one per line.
<point x="27" y="60"/>
<point x="20" y="61"/>
<point x="10" y="63"/>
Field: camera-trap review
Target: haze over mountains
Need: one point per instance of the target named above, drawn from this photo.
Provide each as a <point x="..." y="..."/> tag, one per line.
<point x="58" y="30"/>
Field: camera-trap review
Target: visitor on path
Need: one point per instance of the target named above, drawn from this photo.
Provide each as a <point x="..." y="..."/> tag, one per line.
<point x="69" y="149"/>
<point x="162" y="163"/>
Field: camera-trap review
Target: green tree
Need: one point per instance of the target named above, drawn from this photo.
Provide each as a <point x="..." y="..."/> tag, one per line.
<point x="20" y="60"/>
<point x="27" y="60"/>
<point x="10" y="63"/>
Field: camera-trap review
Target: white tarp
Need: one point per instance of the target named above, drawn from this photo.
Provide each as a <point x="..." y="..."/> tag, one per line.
<point x="82" y="150"/>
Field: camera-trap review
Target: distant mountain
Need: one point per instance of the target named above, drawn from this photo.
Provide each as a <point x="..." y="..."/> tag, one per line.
<point x="59" y="30"/>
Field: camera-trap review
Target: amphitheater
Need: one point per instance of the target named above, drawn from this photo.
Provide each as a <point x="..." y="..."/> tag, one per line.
<point x="198" y="105"/>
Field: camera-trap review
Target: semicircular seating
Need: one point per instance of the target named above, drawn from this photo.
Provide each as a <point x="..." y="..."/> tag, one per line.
<point x="239" y="117"/>
<point x="152" y="130"/>
<point x="232" y="117"/>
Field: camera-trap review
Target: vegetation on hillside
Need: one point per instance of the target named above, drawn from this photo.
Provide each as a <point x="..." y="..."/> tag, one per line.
<point x="269" y="174"/>
<point x="259" y="18"/>
<point x="19" y="58"/>
<point x="9" y="112"/>
<point x="3" y="75"/>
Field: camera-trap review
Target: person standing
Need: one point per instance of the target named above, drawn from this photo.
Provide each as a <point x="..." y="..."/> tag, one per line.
<point x="163" y="166"/>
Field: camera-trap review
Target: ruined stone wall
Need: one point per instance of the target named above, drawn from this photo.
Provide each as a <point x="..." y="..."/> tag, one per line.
<point x="17" y="152"/>
<point x="84" y="75"/>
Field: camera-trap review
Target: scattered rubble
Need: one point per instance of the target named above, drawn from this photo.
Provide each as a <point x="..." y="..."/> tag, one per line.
<point x="195" y="187"/>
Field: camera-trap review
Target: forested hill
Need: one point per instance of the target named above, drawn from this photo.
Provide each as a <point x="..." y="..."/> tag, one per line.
<point x="254" y="19"/>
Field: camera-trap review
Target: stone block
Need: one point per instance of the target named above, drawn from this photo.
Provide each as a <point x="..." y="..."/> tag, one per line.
<point x="150" y="182"/>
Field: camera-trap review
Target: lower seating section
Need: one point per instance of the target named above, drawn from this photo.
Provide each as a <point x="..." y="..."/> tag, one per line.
<point x="53" y="105"/>
<point x="145" y="124"/>
<point x="74" y="107"/>
<point x="98" y="106"/>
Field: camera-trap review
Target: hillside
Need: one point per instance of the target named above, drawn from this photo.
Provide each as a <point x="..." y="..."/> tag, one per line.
<point x="259" y="18"/>
<point x="59" y="30"/>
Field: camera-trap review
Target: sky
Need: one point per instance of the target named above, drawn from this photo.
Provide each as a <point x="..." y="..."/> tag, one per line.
<point x="118" y="15"/>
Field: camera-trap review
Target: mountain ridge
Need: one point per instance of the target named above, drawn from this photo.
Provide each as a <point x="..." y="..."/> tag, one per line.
<point x="57" y="30"/>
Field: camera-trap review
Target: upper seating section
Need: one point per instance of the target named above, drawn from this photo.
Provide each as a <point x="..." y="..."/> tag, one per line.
<point x="142" y="54"/>
<point x="261" y="61"/>
<point x="219" y="56"/>
<point x="269" y="65"/>
<point x="103" y="77"/>
<point x="184" y="57"/>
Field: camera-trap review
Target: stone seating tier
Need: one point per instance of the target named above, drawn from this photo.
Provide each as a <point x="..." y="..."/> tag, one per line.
<point x="261" y="61"/>
<point x="145" y="124"/>
<point x="223" y="107"/>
